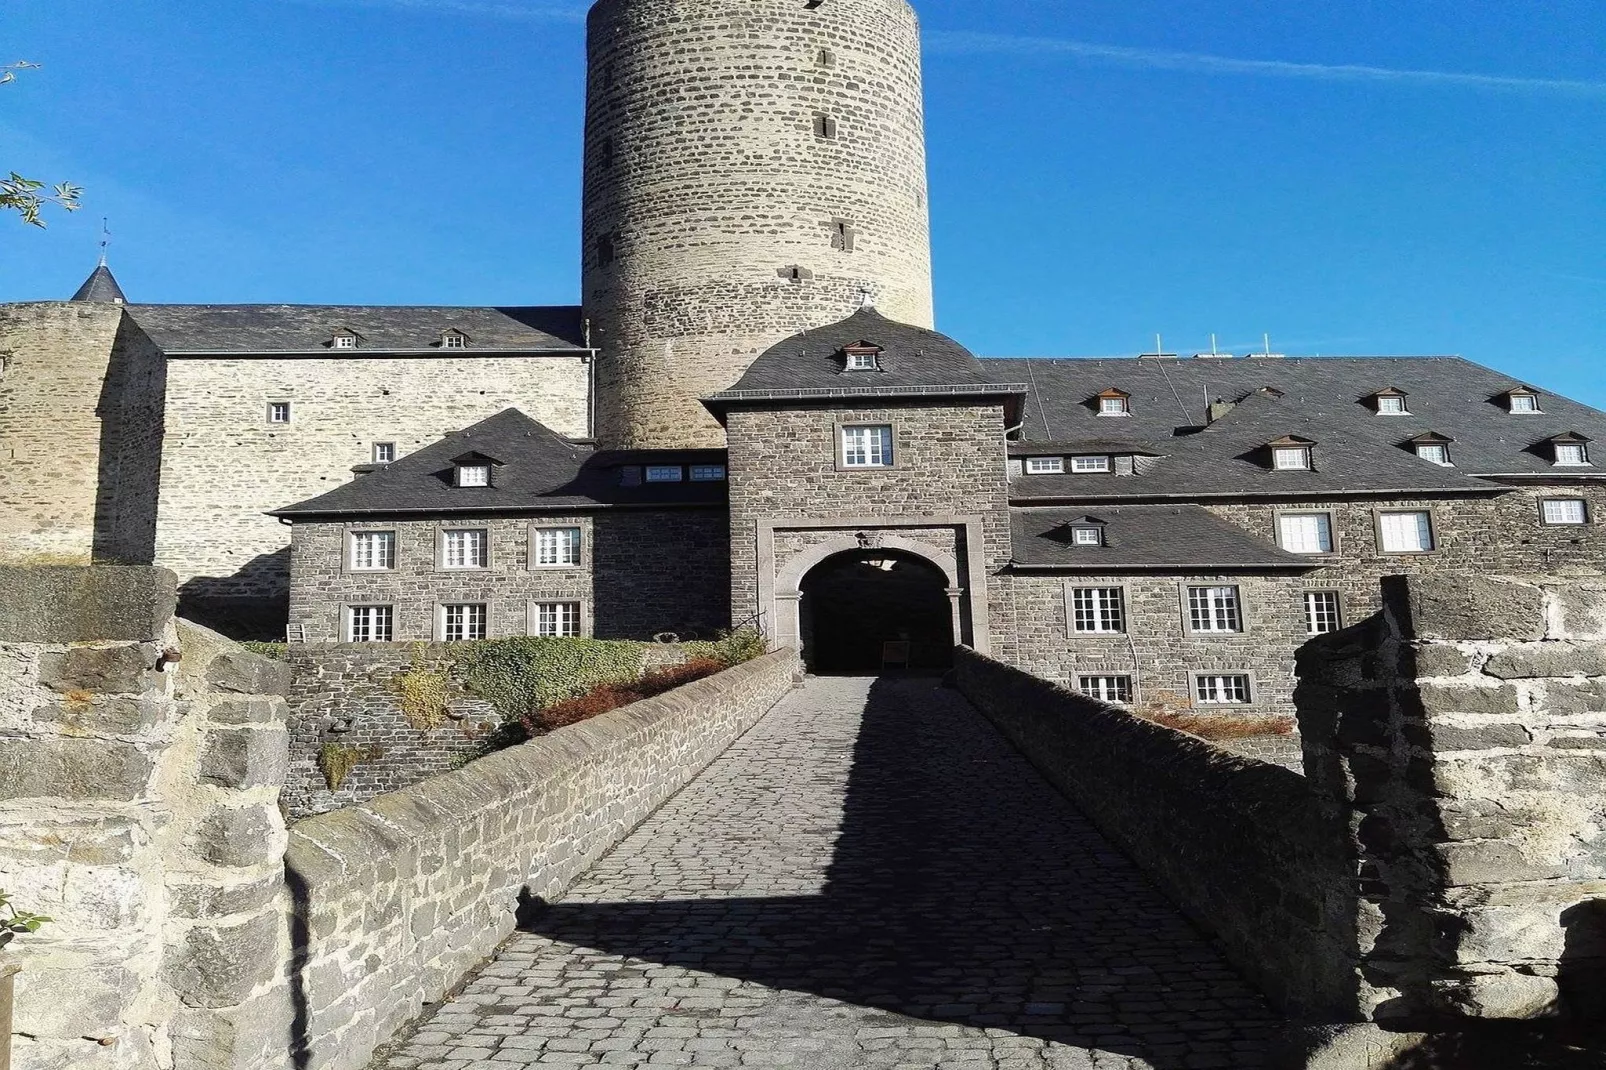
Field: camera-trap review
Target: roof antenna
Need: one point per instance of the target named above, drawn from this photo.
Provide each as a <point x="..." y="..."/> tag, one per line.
<point x="1214" y="352"/>
<point x="1268" y="344"/>
<point x="105" y="240"/>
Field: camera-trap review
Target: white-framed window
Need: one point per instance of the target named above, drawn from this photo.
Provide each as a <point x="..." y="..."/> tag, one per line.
<point x="1524" y="403"/>
<point x="862" y="362"/>
<point x="1434" y="452"/>
<point x="665" y="473"/>
<point x="370" y="624"/>
<point x="1564" y="511"/>
<point x="466" y="548"/>
<point x="555" y="619"/>
<point x="557" y="547"/>
<point x="278" y="412"/>
<point x="373" y="551"/>
<point x="345" y="341"/>
<point x="1571" y="454"/>
<point x="1116" y="689"/>
<point x="384" y="452"/>
<point x="1214" y="609"/>
<point x="1408" y="532"/>
<point x="453" y="341"/>
<point x="1114" y="407"/>
<point x="1087" y="465"/>
<point x="868" y="446"/>
<point x="1392" y="405"/>
<point x="1045" y="466"/>
<point x="1306" y="533"/>
<point x="1096" y="610"/>
<point x="1323" y="612"/>
<point x="1291" y="458"/>
<point x="473" y="475"/>
<point x="708" y="473"/>
<point x="1228" y="689"/>
<point x="464" y="623"/>
<point x="1087" y="536"/>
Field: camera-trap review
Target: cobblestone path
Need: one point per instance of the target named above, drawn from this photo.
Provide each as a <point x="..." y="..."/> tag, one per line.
<point x="871" y="878"/>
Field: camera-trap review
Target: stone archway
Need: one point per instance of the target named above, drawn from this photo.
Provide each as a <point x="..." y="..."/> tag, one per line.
<point x="789" y="584"/>
<point x="863" y="611"/>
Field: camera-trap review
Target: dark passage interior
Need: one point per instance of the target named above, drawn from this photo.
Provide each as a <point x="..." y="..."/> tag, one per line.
<point x="856" y="603"/>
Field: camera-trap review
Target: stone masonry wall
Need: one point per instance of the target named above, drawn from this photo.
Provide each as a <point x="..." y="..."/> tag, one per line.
<point x="72" y="374"/>
<point x="641" y="573"/>
<point x="138" y="808"/>
<point x="783" y="466"/>
<point x="224" y="465"/>
<point x="1246" y="848"/>
<point x="706" y="185"/>
<point x="1466" y="728"/>
<point x="399" y="898"/>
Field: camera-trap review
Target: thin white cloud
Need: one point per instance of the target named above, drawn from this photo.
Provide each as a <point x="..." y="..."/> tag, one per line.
<point x="509" y="10"/>
<point x="963" y="43"/>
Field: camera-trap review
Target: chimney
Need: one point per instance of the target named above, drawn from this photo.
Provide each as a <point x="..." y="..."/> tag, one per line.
<point x="1219" y="408"/>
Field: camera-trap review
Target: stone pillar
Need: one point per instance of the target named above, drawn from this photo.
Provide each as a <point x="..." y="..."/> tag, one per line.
<point x="1463" y="731"/>
<point x="140" y="765"/>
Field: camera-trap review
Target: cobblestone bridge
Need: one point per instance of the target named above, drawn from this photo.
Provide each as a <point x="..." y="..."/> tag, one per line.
<point x="871" y="878"/>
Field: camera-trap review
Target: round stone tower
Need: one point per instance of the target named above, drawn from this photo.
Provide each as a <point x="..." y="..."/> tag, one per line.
<point x="753" y="168"/>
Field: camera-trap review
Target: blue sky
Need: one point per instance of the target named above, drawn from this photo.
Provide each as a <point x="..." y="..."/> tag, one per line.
<point x="1371" y="176"/>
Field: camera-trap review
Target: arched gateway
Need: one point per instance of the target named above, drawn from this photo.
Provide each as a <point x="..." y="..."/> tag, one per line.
<point x="859" y="608"/>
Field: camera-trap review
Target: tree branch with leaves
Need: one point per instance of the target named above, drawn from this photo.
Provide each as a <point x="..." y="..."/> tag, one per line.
<point x="14" y="922"/>
<point x="26" y="196"/>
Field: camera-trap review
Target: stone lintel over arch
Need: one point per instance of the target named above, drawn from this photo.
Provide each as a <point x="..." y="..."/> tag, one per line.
<point x="780" y="591"/>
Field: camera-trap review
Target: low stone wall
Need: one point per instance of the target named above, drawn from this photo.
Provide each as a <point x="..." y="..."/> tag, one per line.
<point x="398" y="898"/>
<point x="138" y="808"/>
<point x="1245" y="847"/>
<point x="345" y="694"/>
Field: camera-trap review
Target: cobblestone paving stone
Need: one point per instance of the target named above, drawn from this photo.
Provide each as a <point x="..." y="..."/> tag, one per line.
<point x="870" y="878"/>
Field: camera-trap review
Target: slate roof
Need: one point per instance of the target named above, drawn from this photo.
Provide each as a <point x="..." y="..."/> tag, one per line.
<point x="1143" y="538"/>
<point x="1326" y="400"/>
<point x="266" y="329"/>
<point x="540" y="472"/>
<point x="913" y="362"/>
<point x="100" y="286"/>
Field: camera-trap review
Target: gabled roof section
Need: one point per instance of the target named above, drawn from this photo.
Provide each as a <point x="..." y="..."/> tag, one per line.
<point x="306" y="329"/>
<point x="539" y="472"/>
<point x="914" y="362"/>
<point x="1142" y="538"/>
<point x="101" y="286"/>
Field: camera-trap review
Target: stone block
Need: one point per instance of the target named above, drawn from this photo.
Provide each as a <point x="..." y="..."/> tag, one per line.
<point x="249" y="711"/>
<point x="237" y="836"/>
<point x="210" y="899"/>
<point x="1572" y="698"/>
<point x="220" y="966"/>
<point x="1361" y="1046"/>
<point x="72" y="769"/>
<point x="1508" y="934"/>
<point x="101" y="670"/>
<point x="1443" y="737"/>
<point x="1491" y="862"/>
<point x="1499" y="996"/>
<point x="245" y="758"/>
<point x="1527" y="661"/>
<point x="244" y="673"/>
<point x="116" y="715"/>
<point x="1453" y="698"/>
<point x="1463" y="607"/>
<point x="73" y="1002"/>
<point x="83" y="605"/>
<point x="1579" y="609"/>
<point x="1440" y="659"/>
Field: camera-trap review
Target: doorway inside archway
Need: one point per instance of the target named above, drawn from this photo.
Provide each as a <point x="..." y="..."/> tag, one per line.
<point x="866" y="610"/>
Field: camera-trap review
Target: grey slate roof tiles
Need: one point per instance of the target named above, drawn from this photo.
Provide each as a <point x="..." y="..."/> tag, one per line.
<point x="539" y="472"/>
<point x="1326" y="400"/>
<point x="260" y="329"/>
<point x="1180" y="538"/>
<point x="100" y="286"/>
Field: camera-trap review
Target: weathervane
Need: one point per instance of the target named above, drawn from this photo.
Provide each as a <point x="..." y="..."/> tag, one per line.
<point x="105" y="240"/>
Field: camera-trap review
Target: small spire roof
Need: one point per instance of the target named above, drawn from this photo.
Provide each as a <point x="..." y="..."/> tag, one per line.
<point x="101" y="286"/>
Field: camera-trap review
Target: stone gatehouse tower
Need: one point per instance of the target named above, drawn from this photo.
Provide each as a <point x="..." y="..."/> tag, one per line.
<point x="751" y="171"/>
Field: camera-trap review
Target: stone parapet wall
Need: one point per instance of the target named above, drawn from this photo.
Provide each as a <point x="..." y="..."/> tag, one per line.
<point x="1245" y="847"/>
<point x="397" y="899"/>
<point x="1466" y="728"/>
<point x="138" y="808"/>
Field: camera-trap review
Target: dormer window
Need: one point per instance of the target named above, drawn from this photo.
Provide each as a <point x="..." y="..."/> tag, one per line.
<point x="1086" y="535"/>
<point x="1291" y="454"/>
<point x="1114" y="403"/>
<point x="1090" y="465"/>
<point x="862" y="357"/>
<point x="345" y="339"/>
<point x="474" y="470"/>
<point x="1390" y="402"/>
<point x="454" y="340"/>
<point x="1523" y="401"/>
<point x="1570" y="451"/>
<point x="1432" y="448"/>
<point x="1045" y="466"/>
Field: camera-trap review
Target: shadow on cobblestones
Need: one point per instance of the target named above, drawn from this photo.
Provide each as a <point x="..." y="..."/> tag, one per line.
<point x="961" y="890"/>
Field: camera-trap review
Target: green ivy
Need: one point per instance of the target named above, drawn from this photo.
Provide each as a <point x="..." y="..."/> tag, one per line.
<point x="276" y="651"/>
<point x="14" y="922"/>
<point x="521" y="676"/>
<point x="337" y="760"/>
